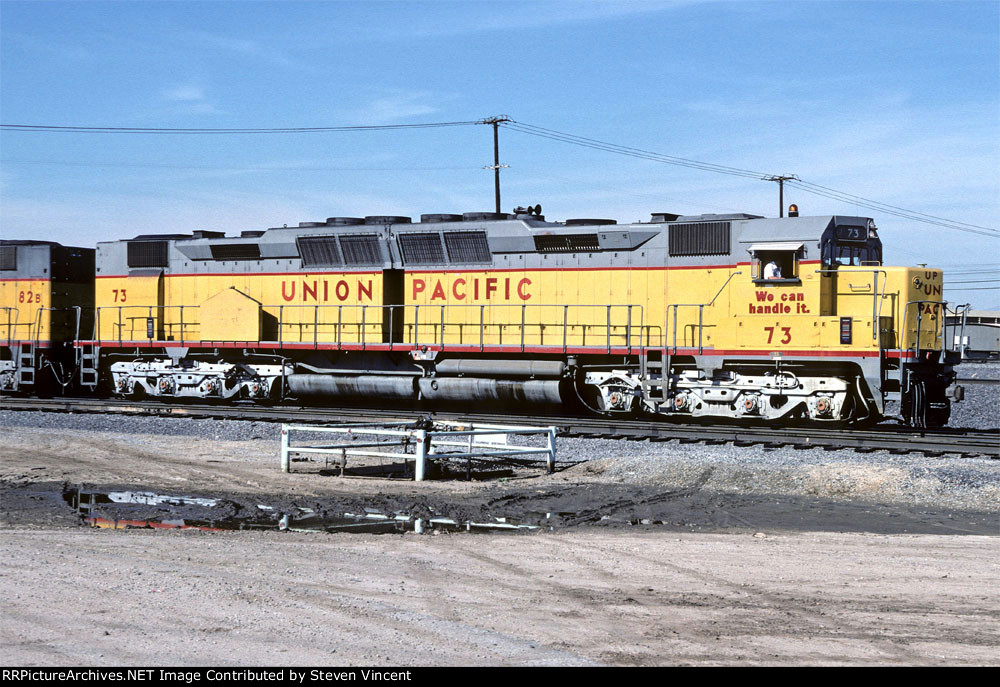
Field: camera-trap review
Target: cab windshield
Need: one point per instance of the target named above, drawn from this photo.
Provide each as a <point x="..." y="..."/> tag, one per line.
<point x="852" y="246"/>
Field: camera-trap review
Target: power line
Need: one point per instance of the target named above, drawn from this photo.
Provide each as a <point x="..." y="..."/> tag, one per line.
<point x="881" y="206"/>
<point x="228" y="169"/>
<point x="805" y="186"/>
<point x="551" y="134"/>
<point x="890" y="210"/>
<point x="628" y="151"/>
<point x="45" y="128"/>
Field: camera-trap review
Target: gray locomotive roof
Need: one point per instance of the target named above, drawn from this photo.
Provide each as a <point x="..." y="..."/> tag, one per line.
<point x="753" y="228"/>
<point x="787" y="229"/>
<point x="28" y="242"/>
<point x="520" y="241"/>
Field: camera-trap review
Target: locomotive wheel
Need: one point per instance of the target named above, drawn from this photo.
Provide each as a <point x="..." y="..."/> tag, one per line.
<point x="45" y="384"/>
<point x="938" y="407"/>
<point x="938" y="417"/>
<point x="275" y="395"/>
<point x="589" y="396"/>
<point x="918" y="405"/>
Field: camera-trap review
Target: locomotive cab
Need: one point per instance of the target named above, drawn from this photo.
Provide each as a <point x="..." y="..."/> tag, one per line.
<point x="907" y="303"/>
<point x="851" y="245"/>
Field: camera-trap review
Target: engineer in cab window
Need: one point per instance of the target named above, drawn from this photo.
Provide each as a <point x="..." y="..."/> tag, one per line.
<point x="772" y="270"/>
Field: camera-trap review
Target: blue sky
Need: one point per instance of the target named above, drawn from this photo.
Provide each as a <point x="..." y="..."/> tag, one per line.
<point x="898" y="102"/>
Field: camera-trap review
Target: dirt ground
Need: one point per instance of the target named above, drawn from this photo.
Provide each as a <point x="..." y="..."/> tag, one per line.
<point x="616" y="574"/>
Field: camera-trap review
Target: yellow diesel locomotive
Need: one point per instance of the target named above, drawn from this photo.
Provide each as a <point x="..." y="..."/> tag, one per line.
<point x="718" y="316"/>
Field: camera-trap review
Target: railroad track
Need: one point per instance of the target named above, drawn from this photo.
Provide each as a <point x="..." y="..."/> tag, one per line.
<point x="886" y="437"/>
<point x="978" y="381"/>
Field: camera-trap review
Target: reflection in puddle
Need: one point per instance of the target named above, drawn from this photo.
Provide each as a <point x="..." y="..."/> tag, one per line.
<point x="111" y="510"/>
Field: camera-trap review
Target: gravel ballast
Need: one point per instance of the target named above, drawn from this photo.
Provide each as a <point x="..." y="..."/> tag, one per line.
<point x="952" y="482"/>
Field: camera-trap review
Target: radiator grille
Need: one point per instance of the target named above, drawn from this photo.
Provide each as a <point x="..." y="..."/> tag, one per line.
<point x="236" y="251"/>
<point x="147" y="254"/>
<point x="361" y="249"/>
<point x="467" y="246"/>
<point x="421" y="249"/>
<point x="699" y="238"/>
<point x="8" y="258"/>
<point x="319" y="251"/>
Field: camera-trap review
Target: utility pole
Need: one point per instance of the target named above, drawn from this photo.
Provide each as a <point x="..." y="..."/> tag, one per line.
<point x="781" y="189"/>
<point x="496" y="166"/>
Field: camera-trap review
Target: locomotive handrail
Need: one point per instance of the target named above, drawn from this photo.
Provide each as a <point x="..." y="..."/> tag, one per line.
<point x="316" y="323"/>
<point x="963" y="311"/>
<point x="37" y="326"/>
<point x="79" y="316"/>
<point x="565" y="324"/>
<point x="38" y="320"/>
<point x="10" y="329"/>
<point x="440" y="322"/>
<point x="701" y="310"/>
<point x="161" y="315"/>
<point x="124" y="325"/>
<point x="920" y="314"/>
<point x="877" y="298"/>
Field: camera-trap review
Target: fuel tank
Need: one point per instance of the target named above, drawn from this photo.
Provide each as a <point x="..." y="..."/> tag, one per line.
<point x="533" y="369"/>
<point x="486" y="389"/>
<point x="374" y="386"/>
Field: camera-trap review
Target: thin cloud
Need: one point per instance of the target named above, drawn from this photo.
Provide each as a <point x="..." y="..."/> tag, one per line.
<point x="244" y="47"/>
<point x="391" y="108"/>
<point x="510" y="16"/>
<point x="185" y="93"/>
<point x="189" y="99"/>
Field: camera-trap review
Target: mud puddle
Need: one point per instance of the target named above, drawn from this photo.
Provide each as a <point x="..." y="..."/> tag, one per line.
<point x="125" y="509"/>
<point x="497" y="508"/>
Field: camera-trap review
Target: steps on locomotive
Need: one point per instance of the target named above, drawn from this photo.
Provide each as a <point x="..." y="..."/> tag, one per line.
<point x="26" y="363"/>
<point x="654" y="381"/>
<point x="88" y="365"/>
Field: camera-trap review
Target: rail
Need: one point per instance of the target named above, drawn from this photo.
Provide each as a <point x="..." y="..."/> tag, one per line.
<point x="887" y="436"/>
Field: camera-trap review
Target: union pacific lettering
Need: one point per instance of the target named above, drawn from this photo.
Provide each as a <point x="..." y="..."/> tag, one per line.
<point x="326" y="290"/>
<point x="472" y="288"/>
<point x="926" y="286"/>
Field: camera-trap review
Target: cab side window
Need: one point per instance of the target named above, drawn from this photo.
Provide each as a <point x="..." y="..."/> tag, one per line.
<point x="776" y="265"/>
